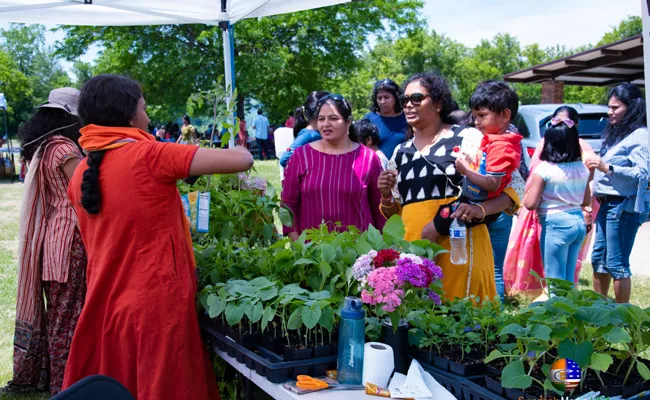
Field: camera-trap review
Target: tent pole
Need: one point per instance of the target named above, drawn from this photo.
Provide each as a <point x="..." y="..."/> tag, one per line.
<point x="645" y="15"/>
<point x="229" y="66"/>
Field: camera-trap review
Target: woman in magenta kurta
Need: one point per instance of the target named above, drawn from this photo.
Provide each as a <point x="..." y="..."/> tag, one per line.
<point x="334" y="179"/>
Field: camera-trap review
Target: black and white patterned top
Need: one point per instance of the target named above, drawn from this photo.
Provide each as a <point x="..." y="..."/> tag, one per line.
<point x="430" y="175"/>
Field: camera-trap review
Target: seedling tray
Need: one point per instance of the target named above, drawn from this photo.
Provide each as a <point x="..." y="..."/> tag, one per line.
<point x="267" y="363"/>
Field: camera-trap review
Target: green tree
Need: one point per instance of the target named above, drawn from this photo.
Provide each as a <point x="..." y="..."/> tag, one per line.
<point x="278" y="59"/>
<point x="630" y="26"/>
<point x="17" y="90"/>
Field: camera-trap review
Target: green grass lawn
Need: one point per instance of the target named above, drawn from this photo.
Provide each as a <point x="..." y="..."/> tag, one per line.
<point x="10" y="196"/>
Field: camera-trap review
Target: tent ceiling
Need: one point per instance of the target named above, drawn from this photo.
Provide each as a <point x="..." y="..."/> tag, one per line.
<point x="603" y="66"/>
<point x="147" y="12"/>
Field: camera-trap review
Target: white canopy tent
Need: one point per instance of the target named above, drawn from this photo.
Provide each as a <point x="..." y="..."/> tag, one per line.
<point x="224" y="13"/>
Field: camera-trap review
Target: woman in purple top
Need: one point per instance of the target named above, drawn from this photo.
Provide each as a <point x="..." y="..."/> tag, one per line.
<point x="333" y="179"/>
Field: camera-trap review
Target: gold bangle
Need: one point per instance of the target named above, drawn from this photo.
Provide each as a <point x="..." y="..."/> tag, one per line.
<point x="482" y="209"/>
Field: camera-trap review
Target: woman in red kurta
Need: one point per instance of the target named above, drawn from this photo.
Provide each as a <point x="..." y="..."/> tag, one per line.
<point x="139" y="324"/>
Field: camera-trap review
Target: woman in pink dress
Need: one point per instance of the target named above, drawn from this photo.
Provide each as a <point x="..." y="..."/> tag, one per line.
<point x="333" y="180"/>
<point x="524" y="254"/>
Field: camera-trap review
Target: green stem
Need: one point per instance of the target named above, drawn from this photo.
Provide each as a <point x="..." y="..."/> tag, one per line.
<point x="629" y="370"/>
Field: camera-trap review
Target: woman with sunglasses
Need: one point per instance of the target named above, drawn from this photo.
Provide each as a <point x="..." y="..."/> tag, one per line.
<point x="387" y="114"/>
<point x="621" y="188"/>
<point x="426" y="179"/>
<point x="333" y="179"/>
<point x="525" y="255"/>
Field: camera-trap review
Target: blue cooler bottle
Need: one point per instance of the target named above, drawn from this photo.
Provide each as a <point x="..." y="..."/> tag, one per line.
<point x="351" y="341"/>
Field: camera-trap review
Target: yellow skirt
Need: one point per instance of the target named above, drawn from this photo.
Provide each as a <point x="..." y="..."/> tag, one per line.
<point x="474" y="278"/>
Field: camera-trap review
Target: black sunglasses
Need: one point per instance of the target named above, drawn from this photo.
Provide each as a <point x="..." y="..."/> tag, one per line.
<point x="335" y="97"/>
<point x="416" y="99"/>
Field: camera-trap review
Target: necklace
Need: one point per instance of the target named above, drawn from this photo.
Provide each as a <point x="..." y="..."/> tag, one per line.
<point x="437" y="136"/>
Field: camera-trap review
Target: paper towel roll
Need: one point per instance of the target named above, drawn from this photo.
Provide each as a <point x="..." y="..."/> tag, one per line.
<point x="378" y="364"/>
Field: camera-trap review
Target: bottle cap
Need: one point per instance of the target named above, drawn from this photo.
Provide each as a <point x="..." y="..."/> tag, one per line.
<point x="352" y="308"/>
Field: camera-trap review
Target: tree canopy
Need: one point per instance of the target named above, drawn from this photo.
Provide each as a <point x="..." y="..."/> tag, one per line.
<point x="279" y="59"/>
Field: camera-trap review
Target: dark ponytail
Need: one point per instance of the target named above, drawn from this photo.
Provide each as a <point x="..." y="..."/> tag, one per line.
<point x="91" y="197"/>
<point x="106" y="100"/>
<point x="309" y="110"/>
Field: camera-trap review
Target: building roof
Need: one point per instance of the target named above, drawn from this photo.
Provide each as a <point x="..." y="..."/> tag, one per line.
<point x="606" y="65"/>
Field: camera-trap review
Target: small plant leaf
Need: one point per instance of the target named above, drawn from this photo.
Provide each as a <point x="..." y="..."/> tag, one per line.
<point x="327" y="318"/>
<point x="327" y="253"/>
<point x="495" y="354"/>
<point x="254" y="312"/>
<point x="595" y="315"/>
<point x="601" y="362"/>
<point x="295" y="319"/>
<point x="234" y="313"/>
<point x="267" y="316"/>
<point x="285" y="217"/>
<point x="617" y="335"/>
<point x="363" y="246"/>
<point x="216" y="306"/>
<point x="580" y="353"/>
<point x="311" y="316"/>
<point x="515" y="330"/>
<point x="643" y="370"/>
<point x="541" y="332"/>
<point x="304" y="261"/>
<point x="394" y="228"/>
<point x="514" y="376"/>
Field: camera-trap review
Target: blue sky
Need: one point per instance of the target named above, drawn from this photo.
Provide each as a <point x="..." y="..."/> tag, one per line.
<point x="548" y="22"/>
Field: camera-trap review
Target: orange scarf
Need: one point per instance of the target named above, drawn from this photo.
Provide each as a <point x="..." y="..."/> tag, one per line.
<point x="97" y="138"/>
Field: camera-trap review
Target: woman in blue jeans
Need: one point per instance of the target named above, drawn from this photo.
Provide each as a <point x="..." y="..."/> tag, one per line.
<point x="621" y="187"/>
<point x="558" y="189"/>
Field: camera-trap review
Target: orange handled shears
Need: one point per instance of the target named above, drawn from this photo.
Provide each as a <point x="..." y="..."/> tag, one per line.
<point x="306" y="382"/>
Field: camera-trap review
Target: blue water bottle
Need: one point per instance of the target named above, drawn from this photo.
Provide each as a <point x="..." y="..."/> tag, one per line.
<point x="351" y="341"/>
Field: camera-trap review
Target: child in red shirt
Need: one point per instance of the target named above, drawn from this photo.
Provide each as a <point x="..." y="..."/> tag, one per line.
<point x="494" y="105"/>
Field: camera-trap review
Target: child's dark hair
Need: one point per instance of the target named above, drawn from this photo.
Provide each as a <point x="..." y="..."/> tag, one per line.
<point x="343" y="107"/>
<point x="496" y="96"/>
<point x="634" y="118"/>
<point x="573" y="113"/>
<point x="365" y="130"/>
<point x="390" y="87"/>
<point x="309" y="110"/>
<point x="107" y="100"/>
<point x="438" y="90"/>
<point x="561" y="144"/>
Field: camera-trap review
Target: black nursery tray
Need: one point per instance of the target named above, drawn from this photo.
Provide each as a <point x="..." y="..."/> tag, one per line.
<point x="267" y="363"/>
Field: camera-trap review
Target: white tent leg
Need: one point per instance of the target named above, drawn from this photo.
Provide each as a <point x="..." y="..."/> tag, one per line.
<point x="229" y="68"/>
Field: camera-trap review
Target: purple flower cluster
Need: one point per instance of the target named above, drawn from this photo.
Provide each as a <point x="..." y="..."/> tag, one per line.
<point x="433" y="296"/>
<point x="436" y="271"/>
<point x="409" y="272"/>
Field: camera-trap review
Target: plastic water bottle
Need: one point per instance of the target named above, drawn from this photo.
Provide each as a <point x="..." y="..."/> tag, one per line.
<point x="351" y="342"/>
<point x="458" y="239"/>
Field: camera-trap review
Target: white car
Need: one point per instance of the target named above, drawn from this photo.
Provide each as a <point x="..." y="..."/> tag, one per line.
<point x="532" y="120"/>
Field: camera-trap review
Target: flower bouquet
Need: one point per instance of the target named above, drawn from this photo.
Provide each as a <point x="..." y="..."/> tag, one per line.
<point x="391" y="281"/>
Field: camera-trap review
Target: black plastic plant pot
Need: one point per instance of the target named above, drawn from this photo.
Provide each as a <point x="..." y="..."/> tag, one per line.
<point x="632" y="390"/>
<point x="291" y="354"/>
<point x="279" y="375"/>
<point x="259" y="368"/>
<point x="319" y="352"/>
<point x="490" y="370"/>
<point x="515" y="394"/>
<point x="239" y="356"/>
<point x="423" y="355"/>
<point x="475" y="389"/>
<point x="399" y="341"/>
<point x="494" y="386"/>
<point x="440" y="362"/>
<point x="250" y="363"/>
<point x="250" y="341"/>
<point x="466" y="369"/>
